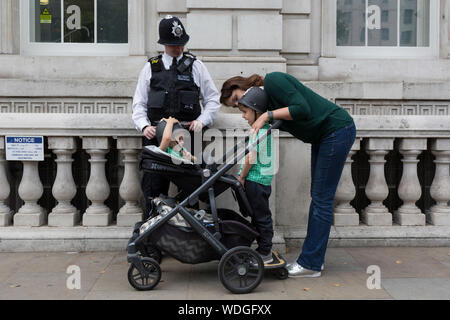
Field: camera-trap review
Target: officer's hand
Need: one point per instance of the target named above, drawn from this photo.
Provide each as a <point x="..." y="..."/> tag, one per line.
<point x="196" y="126"/>
<point x="149" y="132"/>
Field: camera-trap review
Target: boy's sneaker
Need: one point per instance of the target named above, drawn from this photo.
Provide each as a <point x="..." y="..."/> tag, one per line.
<point x="266" y="258"/>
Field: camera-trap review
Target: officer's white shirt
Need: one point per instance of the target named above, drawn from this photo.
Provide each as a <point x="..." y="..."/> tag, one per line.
<point x="202" y="78"/>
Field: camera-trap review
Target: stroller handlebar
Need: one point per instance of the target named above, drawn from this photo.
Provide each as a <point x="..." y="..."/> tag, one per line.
<point x="241" y="143"/>
<point x="228" y="165"/>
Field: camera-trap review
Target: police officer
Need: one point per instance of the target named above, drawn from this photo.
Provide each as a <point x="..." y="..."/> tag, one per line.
<point x="172" y="84"/>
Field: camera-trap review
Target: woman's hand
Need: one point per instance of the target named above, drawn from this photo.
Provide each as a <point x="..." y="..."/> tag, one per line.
<point x="259" y="123"/>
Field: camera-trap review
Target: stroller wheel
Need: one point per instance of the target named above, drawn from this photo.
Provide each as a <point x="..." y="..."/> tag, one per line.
<point x="147" y="281"/>
<point x="281" y="273"/>
<point x="154" y="253"/>
<point x="241" y="270"/>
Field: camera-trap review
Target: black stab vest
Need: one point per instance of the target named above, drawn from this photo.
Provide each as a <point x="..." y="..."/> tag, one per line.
<point x="173" y="92"/>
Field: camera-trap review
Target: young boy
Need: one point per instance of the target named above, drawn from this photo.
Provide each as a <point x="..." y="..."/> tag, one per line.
<point x="257" y="171"/>
<point x="170" y="137"/>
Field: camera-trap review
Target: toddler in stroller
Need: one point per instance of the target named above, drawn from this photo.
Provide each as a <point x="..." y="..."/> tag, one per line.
<point x="195" y="236"/>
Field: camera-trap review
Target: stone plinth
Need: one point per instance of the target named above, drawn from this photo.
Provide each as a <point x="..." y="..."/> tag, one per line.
<point x="409" y="189"/>
<point x="344" y="213"/>
<point x="376" y="214"/>
<point x="97" y="189"/>
<point x="64" y="188"/>
<point x="130" y="188"/>
<point x="5" y="211"/>
<point x="30" y="191"/>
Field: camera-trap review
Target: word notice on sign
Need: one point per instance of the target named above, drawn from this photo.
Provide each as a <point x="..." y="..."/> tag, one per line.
<point x="24" y="148"/>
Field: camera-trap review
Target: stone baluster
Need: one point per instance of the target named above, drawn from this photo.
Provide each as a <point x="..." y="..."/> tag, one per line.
<point x="130" y="188"/>
<point x="439" y="214"/>
<point x="409" y="189"/>
<point x="5" y="211"/>
<point x="30" y="190"/>
<point x="344" y="213"/>
<point x="97" y="189"/>
<point x="64" y="188"/>
<point x="376" y="214"/>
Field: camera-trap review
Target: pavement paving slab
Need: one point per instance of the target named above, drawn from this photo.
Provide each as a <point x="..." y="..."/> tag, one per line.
<point x="406" y="273"/>
<point x="401" y="262"/>
<point x="334" y="285"/>
<point x="44" y="286"/>
<point x="418" y="289"/>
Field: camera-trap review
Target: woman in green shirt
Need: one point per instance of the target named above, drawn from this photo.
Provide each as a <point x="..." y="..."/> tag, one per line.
<point x="312" y="119"/>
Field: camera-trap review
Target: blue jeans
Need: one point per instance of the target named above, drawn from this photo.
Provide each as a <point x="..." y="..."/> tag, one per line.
<point x="327" y="161"/>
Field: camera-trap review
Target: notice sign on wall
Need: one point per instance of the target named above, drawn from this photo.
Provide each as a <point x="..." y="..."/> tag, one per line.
<point x="25" y="148"/>
<point x="46" y="17"/>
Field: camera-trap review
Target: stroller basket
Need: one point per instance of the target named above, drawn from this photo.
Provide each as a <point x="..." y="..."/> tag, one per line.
<point x="187" y="246"/>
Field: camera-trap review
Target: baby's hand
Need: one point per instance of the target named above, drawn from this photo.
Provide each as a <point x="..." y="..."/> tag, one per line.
<point x="173" y="120"/>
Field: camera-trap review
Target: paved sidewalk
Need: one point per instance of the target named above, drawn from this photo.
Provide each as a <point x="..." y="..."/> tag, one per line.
<point x="406" y="273"/>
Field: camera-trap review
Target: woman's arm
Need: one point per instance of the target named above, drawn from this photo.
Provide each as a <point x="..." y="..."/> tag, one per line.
<point x="284" y="89"/>
<point x="279" y="114"/>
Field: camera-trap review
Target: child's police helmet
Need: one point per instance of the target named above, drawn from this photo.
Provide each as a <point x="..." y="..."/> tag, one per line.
<point x="255" y="98"/>
<point x="172" y="32"/>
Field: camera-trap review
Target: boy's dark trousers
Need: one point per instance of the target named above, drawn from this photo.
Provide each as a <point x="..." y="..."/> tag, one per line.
<point x="258" y="196"/>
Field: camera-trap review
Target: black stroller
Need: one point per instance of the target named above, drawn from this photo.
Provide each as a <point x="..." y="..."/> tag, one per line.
<point x="193" y="236"/>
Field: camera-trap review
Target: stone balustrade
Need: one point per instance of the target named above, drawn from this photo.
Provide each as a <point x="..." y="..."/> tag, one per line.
<point x="64" y="214"/>
<point x="409" y="189"/>
<point x="375" y="140"/>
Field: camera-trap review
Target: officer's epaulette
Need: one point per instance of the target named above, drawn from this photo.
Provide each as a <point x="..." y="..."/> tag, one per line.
<point x="156" y="63"/>
<point x="186" y="62"/>
<point x="190" y="55"/>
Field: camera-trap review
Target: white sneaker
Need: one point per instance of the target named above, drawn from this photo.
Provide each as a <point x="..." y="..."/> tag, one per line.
<point x="297" y="271"/>
<point x="266" y="259"/>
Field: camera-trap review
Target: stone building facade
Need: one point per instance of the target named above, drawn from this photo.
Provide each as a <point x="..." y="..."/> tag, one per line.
<point x="386" y="62"/>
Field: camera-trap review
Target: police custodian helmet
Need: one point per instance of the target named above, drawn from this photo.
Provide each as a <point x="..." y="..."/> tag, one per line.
<point x="172" y="32"/>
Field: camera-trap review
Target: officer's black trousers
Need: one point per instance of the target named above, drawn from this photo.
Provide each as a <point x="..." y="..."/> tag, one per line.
<point x="153" y="184"/>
